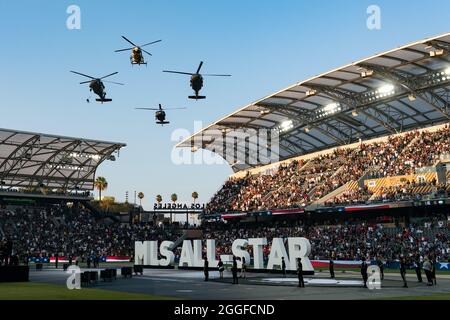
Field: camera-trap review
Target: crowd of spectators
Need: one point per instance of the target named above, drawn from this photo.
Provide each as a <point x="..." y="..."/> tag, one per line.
<point x="300" y="183"/>
<point x="44" y="232"/>
<point x="352" y="240"/>
<point x="405" y="192"/>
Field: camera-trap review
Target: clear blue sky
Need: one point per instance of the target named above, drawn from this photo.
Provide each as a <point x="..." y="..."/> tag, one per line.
<point x="265" y="45"/>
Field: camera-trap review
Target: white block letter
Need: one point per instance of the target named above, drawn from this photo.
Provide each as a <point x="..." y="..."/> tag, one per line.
<point x="277" y="251"/>
<point x="258" y="258"/>
<point x="239" y="250"/>
<point x="300" y="248"/>
<point x="167" y="253"/>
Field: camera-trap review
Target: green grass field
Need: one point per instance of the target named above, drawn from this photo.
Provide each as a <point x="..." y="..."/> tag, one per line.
<point x="40" y="291"/>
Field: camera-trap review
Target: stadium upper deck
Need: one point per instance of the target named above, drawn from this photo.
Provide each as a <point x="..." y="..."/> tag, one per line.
<point x="389" y="93"/>
<point x="55" y="162"/>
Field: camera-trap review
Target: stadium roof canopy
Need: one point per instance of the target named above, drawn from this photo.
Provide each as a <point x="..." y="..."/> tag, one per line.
<point x="36" y="160"/>
<point x="398" y="90"/>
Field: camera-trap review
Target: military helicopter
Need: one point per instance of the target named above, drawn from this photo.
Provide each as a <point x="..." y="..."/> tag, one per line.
<point x="197" y="80"/>
<point x="96" y="85"/>
<point x="160" y="115"/>
<point x="136" y="52"/>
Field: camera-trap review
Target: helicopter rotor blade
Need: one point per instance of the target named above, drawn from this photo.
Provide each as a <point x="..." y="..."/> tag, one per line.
<point x="199" y="67"/>
<point x="84" y="75"/>
<point x="147" y="44"/>
<point x="135" y="45"/>
<point x="118" y="83"/>
<point x="120" y="50"/>
<point x="147" y="52"/>
<point x="178" y="72"/>
<point x="84" y="82"/>
<point x="152" y="109"/>
<point x="109" y="75"/>
<point x="216" y="75"/>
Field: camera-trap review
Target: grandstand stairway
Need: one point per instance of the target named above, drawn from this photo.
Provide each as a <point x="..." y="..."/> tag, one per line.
<point x="188" y="234"/>
<point x="179" y="241"/>
<point x="366" y="175"/>
<point x="100" y="214"/>
<point x="336" y="193"/>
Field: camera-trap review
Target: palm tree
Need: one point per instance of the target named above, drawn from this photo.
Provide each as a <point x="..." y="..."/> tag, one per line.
<point x="159" y="198"/>
<point x="174" y="199"/>
<point x="195" y="196"/>
<point x="101" y="185"/>
<point x="140" y="196"/>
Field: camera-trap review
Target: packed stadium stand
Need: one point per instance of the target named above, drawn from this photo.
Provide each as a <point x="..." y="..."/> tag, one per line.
<point x="349" y="240"/>
<point x="362" y="169"/>
<point x="350" y="171"/>
<point x="40" y="232"/>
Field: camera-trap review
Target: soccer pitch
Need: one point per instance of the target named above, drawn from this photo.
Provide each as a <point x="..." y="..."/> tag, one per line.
<point x="43" y="291"/>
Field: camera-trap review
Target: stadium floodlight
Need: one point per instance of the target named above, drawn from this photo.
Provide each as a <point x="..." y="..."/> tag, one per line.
<point x="332" y="107"/>
<point x="386" y="89"/>
<point x="436" y="53"/>
<point x="367" y="73"/>
<point x="85" y="155"/>
<point x="412" y="97"/>
<point x="264" y="112"/>
<point x="443" y="75"/>
<point x="286" y="125"/>
<point x="311" y="93"/>
<point x="307" y="129"/>
<point x="355" y="113"/>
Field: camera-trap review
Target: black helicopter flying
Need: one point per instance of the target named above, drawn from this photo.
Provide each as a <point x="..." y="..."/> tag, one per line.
<point x="197" y="80"/>
<point x="160" y="114"/>
<point x="96" y="85"/>
<point x="136" y="52"/>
